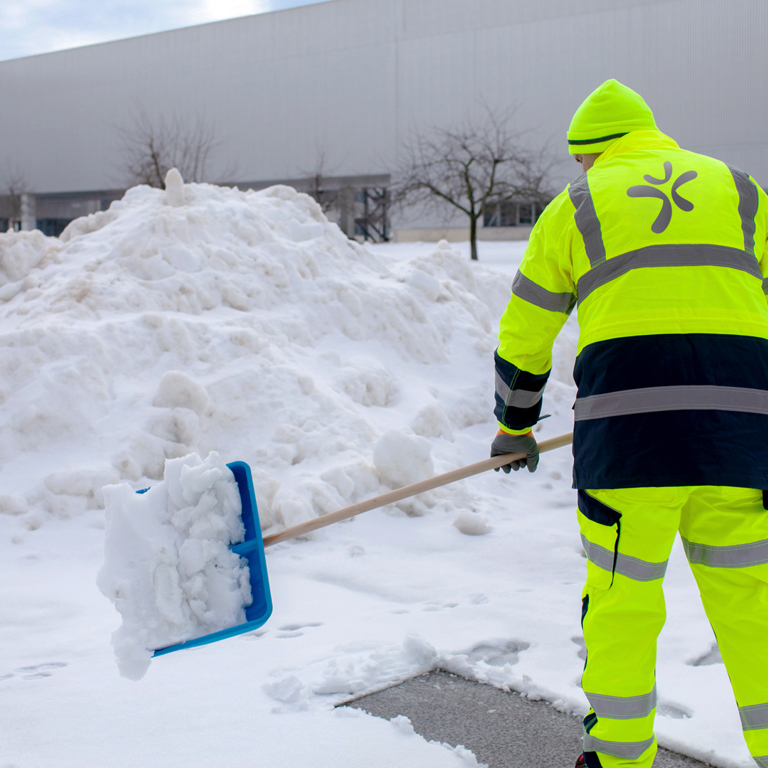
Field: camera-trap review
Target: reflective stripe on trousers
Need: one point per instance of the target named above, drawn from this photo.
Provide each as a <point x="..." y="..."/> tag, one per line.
<point x="622" y="707"/>
<point x="626" y="565"/>
<point x="631" y="750"/>
<point x="733" y="556"/>
<point x="754" y="717"/>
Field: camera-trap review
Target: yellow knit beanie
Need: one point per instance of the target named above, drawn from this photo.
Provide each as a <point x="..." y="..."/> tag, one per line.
<point x="607" y="114"/>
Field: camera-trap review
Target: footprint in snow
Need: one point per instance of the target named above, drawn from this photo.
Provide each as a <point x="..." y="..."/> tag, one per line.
<point x="675" y="711"/>
<point x="712" y="656"/>
<point x="438" y="606"/>
<point x="294" y="630"/>
<point x="498" y="654"/>
<point x="36" y="672"/>
<point x="578" y="640"/>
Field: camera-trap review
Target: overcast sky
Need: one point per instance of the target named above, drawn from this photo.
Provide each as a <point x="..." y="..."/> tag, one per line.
<point x="30" y="27"/>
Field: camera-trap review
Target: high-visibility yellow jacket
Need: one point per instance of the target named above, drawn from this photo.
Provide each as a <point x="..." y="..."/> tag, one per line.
<point x="664" y="253"/>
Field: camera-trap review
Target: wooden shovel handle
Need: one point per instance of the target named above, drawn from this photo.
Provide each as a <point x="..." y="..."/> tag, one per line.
<point x="411" y="490"/>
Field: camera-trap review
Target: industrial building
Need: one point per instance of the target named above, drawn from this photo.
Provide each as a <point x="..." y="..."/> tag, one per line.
<point x="326" y="95"/>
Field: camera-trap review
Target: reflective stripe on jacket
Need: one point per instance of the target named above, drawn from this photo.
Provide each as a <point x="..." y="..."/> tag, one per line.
<point x="663" y="251"/>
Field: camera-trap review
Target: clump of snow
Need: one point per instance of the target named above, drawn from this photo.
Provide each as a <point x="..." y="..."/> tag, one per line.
<point x="432" y="421"/>
<point x="174" y="188"/>
<point x="402" y="459"/>
<point x="12" y="505"/>
<point x="86" y="484"/>
<point x="356" y="674"/>
<point x="289" y="690"/>
<point x="167" y="566"/>
<point x="177" y="390"/>
<point x="472" y="524"/>
<point x="20" y="254"/>
<point x="403" y="724"/>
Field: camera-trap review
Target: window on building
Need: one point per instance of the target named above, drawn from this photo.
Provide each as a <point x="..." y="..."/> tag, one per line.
<point x="500" y="215"/>
<point x="511" y="214"/>
<point x="525" y="214"/>
<point x="52" y="227"/>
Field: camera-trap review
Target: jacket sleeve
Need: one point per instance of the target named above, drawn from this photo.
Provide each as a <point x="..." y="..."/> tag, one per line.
<point x="543" y="296"/>
<point x="761" y="234"/>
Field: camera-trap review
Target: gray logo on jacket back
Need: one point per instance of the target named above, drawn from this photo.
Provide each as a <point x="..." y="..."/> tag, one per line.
<point x="665" y="215"/>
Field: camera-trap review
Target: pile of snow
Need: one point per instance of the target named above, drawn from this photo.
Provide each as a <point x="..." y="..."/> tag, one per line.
<point x="201" y="319"/>
<point x="168" y="567"/>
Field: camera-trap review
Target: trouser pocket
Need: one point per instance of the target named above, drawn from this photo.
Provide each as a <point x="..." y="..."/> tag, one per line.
<point x="600" y="527"/>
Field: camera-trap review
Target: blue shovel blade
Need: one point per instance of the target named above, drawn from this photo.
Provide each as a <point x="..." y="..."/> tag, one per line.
<point x="252" y="549"/>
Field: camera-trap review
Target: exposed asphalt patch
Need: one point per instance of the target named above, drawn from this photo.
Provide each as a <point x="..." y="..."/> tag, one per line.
<point x="504" y="730"/>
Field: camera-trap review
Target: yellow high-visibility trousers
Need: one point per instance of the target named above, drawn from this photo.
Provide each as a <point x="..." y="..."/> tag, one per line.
<point x="628" y="536"/>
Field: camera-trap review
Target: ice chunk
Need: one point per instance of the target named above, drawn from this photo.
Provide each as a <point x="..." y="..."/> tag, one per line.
<point x="472" y="524"/>
<point x="402" y="459"/>
<point x="168" y="567"/>
<point x="177" y="390"/>
<point x="174" y="188"/>
<point x="432" y="421"/>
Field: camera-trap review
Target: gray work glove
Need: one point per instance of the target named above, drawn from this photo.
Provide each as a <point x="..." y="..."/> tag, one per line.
<point x="504" y="443"/>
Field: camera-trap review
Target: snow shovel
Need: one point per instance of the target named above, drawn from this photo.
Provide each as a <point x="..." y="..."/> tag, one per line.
<point x="252" y="548"/>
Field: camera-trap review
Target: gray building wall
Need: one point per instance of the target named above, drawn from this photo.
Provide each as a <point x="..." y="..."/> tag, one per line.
<point x="351" y="78"/>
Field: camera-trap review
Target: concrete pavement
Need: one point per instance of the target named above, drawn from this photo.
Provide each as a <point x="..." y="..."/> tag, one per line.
<point x="504" y="730"/>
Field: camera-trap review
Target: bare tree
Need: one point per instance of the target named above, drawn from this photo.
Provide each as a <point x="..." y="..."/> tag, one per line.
<point x="318" y="184"/>
<point x="15" y="187"/>
<point x="479" y="163"/>
<point x="152" y="146"/>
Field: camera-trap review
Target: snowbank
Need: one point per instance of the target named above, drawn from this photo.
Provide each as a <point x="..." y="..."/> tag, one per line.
<point x="168" y="567"/>
<point x="203" y="319"/>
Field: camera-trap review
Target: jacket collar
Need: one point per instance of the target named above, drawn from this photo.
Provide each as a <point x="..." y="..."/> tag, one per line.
<point x="637" y="141"/>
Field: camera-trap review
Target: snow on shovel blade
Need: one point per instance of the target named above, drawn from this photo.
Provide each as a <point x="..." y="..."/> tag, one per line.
<point x="252" y="549"/>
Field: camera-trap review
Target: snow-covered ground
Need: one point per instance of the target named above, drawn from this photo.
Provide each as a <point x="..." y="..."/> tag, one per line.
<point x="203" y="319"/>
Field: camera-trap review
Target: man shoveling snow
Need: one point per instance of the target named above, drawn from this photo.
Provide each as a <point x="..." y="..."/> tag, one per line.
<point x="664" y="251"/>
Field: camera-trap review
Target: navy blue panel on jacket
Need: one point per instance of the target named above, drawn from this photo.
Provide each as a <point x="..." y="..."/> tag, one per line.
<point x="518" y="395"/>
<point x="705" y="445"/>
